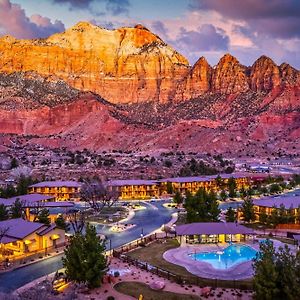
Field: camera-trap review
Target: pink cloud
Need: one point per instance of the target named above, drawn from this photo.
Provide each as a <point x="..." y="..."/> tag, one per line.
<point x="13" y="21"/>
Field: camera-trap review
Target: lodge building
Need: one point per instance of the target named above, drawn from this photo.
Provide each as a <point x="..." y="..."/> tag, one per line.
<point x="135" y="189"/>
<point x="141" y="189"/>
<point x="291" y="205"/>
<point x="20" y="237"/>
<point x="212" y="232"/>
<point x="60" y="190"/>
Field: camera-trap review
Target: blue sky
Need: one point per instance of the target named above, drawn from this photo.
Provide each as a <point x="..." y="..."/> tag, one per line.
<point x="247" y="29"/>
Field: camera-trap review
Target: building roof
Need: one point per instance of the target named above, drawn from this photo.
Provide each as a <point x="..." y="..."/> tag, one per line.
<point x="19" y="228"/>
<point x="277" y="201"/>
<point x="50" y="204"/>
<point x="212" y="228"/>
<point x="187" y="179"/>
<point x="131" y="182"/>
<point x="57" y="183"/>
<point x="27" y="200"/>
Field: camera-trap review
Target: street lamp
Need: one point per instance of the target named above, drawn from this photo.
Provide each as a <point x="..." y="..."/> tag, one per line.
<point x="142" y="234"/>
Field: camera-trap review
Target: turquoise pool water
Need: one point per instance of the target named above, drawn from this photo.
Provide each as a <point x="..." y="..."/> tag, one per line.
<point x="225" y="259"/>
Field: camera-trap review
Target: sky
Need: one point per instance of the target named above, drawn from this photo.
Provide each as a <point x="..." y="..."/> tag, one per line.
<point x="246" y="29"/>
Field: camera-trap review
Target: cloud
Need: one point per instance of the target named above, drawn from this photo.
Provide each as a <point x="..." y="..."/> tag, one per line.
<point x="276" y="18"/>
<point x="75" y="3"/>
<point x="14" y="21"/>
<point x="114" y="7"/>
<point x="117" y="7"/>
<point x="206" y="38"/>
<point x="160" y="29"/>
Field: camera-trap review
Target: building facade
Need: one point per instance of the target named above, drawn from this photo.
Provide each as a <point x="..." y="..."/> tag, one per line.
<point x="20" y="237"/>
<point x="135" y="189"/>
<point x="60" y="190"/>
<point x="212" y="232"/>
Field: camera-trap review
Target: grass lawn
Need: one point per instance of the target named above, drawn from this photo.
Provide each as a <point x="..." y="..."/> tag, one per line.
<point x="135" y="289"/>
<point x="153" y="254"/>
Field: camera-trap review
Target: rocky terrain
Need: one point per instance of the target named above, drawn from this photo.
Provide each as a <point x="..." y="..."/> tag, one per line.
<point x="126" y="89"/>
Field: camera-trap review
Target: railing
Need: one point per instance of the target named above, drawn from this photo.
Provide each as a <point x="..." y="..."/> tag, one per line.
<point x="180" y="279"/>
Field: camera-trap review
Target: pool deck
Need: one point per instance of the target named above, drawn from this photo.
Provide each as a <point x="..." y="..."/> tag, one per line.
<point x="181" y="256"/>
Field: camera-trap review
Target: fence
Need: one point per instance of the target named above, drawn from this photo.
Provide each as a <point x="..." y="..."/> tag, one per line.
<point x="192" y="279"/>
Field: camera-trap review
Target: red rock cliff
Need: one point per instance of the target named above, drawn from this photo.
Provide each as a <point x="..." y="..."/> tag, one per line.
<point x="122" y="65"/>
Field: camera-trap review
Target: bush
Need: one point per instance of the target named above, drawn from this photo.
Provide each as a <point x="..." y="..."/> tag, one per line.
<point x="110" y="298"/>
<point x="116" y="274"/>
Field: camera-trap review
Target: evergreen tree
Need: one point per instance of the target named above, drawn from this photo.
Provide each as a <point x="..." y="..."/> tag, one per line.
<point x="274" y="218"/>
<point x="61" y="223"/>
<point x="263" y="218"/>
<point x="84" y="259"/>
<point x="8" y="192"/>
<point x="276" y="274"/>
<point x="232" y="187"/>
<point x="275" y="188"/>
<point x="16" y="209"/>
<point x="169" y="188"/>
<point x="230" y="215"/>
<point x="223" y="195"/>
<point x="43" y="216"/>
<point x="266" y="275"/>
<point x="3" y="212"/>
<point x="178" y="198"/>
<point x="288" y="282"/>
<point x="202" y="207"/>
<point x="243" y="193"/>
<point x="23" y="184"/>
<point x="248" y="210"/>
<point x="213" y="207"/>
<point x="14" y="163"/>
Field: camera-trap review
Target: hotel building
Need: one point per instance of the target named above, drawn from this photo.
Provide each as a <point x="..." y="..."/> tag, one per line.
<point x="59" y="190"/>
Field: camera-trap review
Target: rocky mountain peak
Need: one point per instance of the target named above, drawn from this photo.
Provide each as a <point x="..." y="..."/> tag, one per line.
<point x="264" y="75"/>
<point x="229" y="76"/>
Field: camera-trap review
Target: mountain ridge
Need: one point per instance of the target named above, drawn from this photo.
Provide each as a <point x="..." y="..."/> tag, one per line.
<point x="102" y="87"/>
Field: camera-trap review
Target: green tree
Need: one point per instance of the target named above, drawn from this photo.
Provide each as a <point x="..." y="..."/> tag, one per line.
<point x="243" y="193"/>
<point x="276" y="274"/>
<point x="16" y="209"/>
<point x="178" y="198"/>
<point x="3" y="212"/>
<point x="223" y="195"/>
<point x="230" y="215"/>
<point x="23" y="184"/>
<point x="14" y="163"/>
<point x="202" y="207"/>
<point x="232" y="187"/>
<point x="8" y="192"/>
<point x="248" y="210"/>
<point x="169" y="188"/>
<point x="275" y="188"/>
<point x="263" y="218"/>
<point x="43" y="216"/>
<point x="274" y="218"/>
<point x="288" y="282"/>
<point x="61" y="223"/>
<point x="213" y="207"/>
<point x="84" y="259"/>
<point x="265" y="273"/>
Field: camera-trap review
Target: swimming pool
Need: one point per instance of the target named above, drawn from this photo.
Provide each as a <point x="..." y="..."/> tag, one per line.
<point x="225" y="259"/>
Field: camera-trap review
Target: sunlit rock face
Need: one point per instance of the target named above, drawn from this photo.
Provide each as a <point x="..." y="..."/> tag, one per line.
<point x="123" y="65"/>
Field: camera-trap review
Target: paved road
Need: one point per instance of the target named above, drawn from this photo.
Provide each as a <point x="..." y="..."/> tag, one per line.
<point x="146" y="220"/>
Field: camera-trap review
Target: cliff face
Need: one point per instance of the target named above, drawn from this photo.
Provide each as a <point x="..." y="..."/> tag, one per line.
<point x="130" y="65"/>
<point x="123" y="65"/>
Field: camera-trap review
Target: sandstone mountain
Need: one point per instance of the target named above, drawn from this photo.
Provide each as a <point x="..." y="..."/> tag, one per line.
<point x="123" y="65"/>
<point x="90" y="87"/>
